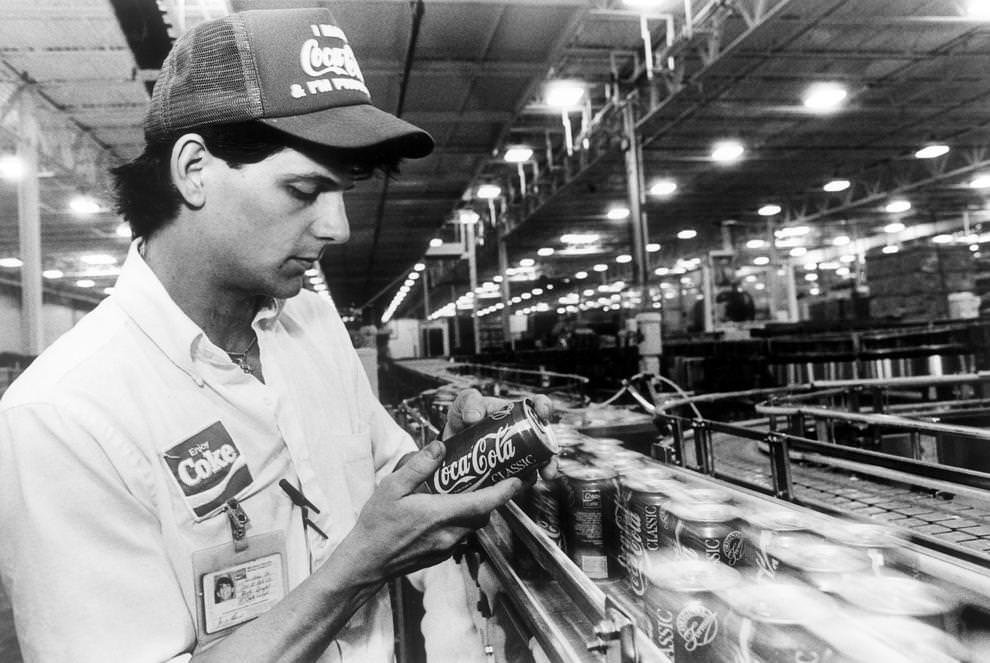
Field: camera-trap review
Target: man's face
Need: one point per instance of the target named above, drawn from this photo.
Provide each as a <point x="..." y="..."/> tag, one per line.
<point x="271" y="220"/>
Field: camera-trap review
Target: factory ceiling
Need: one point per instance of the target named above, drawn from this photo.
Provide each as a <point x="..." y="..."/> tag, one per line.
<point x="474" y="74"/>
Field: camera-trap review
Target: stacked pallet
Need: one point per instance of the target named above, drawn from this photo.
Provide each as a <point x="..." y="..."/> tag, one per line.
<point x="915" y="284"/>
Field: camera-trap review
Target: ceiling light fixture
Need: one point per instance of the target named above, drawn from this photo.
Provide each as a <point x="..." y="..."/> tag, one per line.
<point x="824" y="97"/>
<point x="652" y="248"/>
<point x="527" y="262"/>
<point x="981" y="181"/>
<point x="84" y="205"/>
<point x="580" y="238"/>
<point x="488" y="192"/>
<point x="419" y="266"/>
<point x="664" y="187"/>
<point x="932" y="151"/>
<point x="895" y="227"/>
<point x="761" y="260"/>
<point x="756" y="243"/>
<point x="623" y="259"/>
<point x="544" y="252"/>
<point x="897" y="206"/>
<point x="11" y="167"/>
<point x="518" y="154"/>
<point x="727" y="151"/>
<point x="435" y="242"/>
<point x="53" y="273"/>
<point x="769" y="210"/>
<point x="600" y="267"/>
<point x="837" y="185"/>
<point x="687" y="234"/>
<point x="11" y="263"/>
<point x="840" y="240"/>
<point x="85" y="283"/>
<point x="618" y="213"/>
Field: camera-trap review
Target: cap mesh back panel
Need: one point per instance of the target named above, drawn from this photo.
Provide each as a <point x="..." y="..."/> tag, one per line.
<point x="218" y="86"/>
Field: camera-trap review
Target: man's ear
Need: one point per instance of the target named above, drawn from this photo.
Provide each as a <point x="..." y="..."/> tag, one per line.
<point x="189" y="155"/>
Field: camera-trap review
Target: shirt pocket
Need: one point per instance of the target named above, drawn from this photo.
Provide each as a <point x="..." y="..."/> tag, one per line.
<point x="358" y="465"/>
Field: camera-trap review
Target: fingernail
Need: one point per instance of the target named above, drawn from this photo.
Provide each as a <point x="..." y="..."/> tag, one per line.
<point x="435" y="449"/>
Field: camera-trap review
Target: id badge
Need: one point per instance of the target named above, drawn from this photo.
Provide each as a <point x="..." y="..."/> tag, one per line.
<point x="235" y="587"/>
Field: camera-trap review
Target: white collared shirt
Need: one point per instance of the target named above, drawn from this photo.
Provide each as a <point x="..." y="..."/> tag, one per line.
<point x="96" y="532"/>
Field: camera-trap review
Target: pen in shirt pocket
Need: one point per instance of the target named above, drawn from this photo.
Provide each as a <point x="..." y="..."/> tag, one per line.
<point x="303" y="503"/>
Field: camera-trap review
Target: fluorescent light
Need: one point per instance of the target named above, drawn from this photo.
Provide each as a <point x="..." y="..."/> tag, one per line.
<point x="85" y="283"/>
<point x="769" y="210"/>
<point x="581" y="275"/>
<point x="579" y="238"/>
<point x="663" y="187"/>
<point x="978" y="9"/>
<point x="84" y="205"/>
<point x="652" y="247"/>
<point x="798" y="251"/>
<point x="12" y="263"/>
<point x="980" y="181"/>
<point x="618" y="213"/>
<point x="897" y="206"/>
<point x="468" y="216"/>
<point x="943" y="239"/>
<point x="623" y="259"/>
<point x="824" y="97"/>
<point x="419" y="266"/>
<point x="488" y="191"/>
<point x="564" y="94"/>
<point x="727" y="151"/>
<point x="98" y="259"/>
<point x="544" y="252"/>
<point x="687" y="234"/>
<point x="11" y="167"/>
<point x="840" y="240"/>
<point x="847" y="258"/>
<point x="53" y="273"/>
<point x="814" y="292"/>
<point x="414" y="275"/>
<point x="435" y="242"/>
<point x="932" y="151"/>
<point x="600" y="267"/>
<point x="834" y="186"/>
<point x="792" y="231"/>
<point x="756" y="243"/>
<point x="527" y="262"/>
<point x="518" y="154"/>
<point x="108" y="290"/>
<point x="811" y="277"/>
<point x="894" y="227"/>
<point x="890" y="248"/>
<point x="761" y="260"/>
<point x="661" y="271"/>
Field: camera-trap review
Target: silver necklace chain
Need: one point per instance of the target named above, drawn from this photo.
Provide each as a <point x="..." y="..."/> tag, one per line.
<point x="241" y="358"/>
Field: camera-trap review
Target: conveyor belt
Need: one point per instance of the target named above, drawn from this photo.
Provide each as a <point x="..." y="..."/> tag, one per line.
<point x="952" y="520"/>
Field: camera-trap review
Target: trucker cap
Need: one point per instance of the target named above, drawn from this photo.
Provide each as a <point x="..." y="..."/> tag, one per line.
<point x="292" y="69"/>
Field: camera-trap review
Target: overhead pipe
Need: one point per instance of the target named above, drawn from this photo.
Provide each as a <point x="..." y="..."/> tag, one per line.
<point x="418" y="10"/>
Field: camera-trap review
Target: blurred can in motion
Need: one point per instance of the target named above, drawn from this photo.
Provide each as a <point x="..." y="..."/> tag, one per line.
<point x="762" y="528"/>
<point x="820" y="563"/>
<point x="506" y="443"/>
<point x="776" y="622"/>
<point x="704" y="529"/>
<point x="686" y="611"/>
<point x="898" y="595"/>
<point x="542" y="503"/>
<point x="642" y="492"/>
<point x="878" y="542"/>
<point x="589" y="529"/>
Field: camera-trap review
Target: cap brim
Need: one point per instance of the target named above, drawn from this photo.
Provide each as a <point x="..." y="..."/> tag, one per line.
<point x="356" y="127"/>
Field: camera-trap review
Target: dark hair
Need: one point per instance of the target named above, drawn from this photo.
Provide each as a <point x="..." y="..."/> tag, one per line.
<point x="148" y="200"/>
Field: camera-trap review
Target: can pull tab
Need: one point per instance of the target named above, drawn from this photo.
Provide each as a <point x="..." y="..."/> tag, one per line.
<point x="239" y="523"/>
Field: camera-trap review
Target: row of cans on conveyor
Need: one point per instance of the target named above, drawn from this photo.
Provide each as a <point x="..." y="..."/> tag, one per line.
<point x="712" y="578"/>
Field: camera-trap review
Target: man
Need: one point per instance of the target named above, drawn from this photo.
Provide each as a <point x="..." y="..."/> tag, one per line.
<point x="209" y="420"/>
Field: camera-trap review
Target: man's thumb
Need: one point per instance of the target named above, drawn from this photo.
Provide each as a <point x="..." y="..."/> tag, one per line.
<point x="421" y="465"/>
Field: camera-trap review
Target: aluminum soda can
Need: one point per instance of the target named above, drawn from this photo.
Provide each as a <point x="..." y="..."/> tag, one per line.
<point x="879" y="542"/>
<point x="898" y="595"/>
<point x="686" y="611"/>
<point x="710" y="530"/>
<point x="505" y="443"/>
<point x="646" y="491"/>
<point x="762" y="528"/>
<point x="542" y="503"/>
<point x="776" y="622"/>
<point x="590" y="526"/>
<point x="818" y="562"/>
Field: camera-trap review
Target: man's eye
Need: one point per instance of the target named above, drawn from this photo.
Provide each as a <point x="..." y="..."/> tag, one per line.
<point x="308" y="195"/>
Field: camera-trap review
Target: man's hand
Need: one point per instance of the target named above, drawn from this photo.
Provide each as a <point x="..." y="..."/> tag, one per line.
<point x="471" y="406"/>
<point x="402" y="529"/>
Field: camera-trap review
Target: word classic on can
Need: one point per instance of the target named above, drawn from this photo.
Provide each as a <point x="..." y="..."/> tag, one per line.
<point x="506" y="443"/>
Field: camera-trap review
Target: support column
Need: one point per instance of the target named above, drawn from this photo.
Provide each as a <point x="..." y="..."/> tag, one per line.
<point x="473" y="272"/>
<point x="503" y="266"/>
<point x="634" y="180"/>
<point x="29" y="227"/>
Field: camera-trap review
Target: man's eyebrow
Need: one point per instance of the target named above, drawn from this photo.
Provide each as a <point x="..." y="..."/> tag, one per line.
<point x="318" y="178"/>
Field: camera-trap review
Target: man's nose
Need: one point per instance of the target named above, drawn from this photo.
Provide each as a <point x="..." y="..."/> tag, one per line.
<point x="331" y="221"/>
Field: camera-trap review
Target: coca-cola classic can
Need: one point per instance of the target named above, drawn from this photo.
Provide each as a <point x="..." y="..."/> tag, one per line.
<point x="506" y="443"/>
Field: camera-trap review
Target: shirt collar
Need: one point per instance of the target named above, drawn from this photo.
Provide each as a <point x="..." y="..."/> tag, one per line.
<point x="146" y="301"/>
